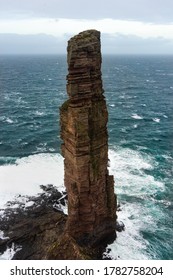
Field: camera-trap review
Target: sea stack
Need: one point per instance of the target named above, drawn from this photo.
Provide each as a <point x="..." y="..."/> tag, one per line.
<point x="83" y="118"/>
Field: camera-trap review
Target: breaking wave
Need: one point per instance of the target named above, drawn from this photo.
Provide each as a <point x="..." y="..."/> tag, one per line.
<point x="132" y="184"/>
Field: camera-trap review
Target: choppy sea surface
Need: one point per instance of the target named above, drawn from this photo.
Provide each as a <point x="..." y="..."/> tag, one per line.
<point x="139" y="94"/>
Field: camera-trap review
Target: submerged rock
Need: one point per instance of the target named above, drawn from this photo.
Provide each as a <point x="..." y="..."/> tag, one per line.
<point x="120" y="226"/>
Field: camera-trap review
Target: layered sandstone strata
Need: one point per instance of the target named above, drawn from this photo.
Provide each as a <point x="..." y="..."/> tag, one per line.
<point x="83" y="119"/>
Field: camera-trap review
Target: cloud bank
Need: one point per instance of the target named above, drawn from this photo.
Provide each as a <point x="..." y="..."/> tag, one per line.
<point x="117" y="45"/>
<point x="157" y="11"/>
<point x="42" y="26"/>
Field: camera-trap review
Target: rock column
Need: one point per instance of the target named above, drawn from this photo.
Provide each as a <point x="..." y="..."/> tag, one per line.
<point x="83" y="119"/>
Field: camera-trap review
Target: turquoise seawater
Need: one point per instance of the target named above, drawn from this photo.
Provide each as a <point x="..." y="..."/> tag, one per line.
<point x="139" y="94"/>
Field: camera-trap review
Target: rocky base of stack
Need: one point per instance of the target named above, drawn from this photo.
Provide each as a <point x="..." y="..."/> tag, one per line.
<point x="37" y="232"/>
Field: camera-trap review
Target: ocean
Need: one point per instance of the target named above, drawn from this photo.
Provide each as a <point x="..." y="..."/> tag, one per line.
<point x="139" y="95"/>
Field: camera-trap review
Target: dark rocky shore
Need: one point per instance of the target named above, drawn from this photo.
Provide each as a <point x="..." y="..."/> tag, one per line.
<point x="34" y="229"/>
<point x="37" y="232"/>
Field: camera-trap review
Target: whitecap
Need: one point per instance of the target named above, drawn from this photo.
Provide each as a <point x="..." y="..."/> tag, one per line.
<point x="165" y="116"/>
<point x="42" y="148"/>
<point x="122" y="96"/>
<point x="150" y="81"/>
<point x="135" y="126"/>
<point x="137" y="117"/>
<point x="112" y="105"/>
<point x="167" y="157"/>
<point x="156" y="120"/>
<point x="8" y="120"/>
<point x="51" y="149"/>
<point x="38" y="113"/>
<point x="127" y="106"/>
<point x="7" y="97"/>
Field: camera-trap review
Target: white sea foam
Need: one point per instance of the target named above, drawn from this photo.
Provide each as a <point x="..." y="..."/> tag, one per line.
<point x="131" y="179"/>
<point x="6" y="119"/>
<point x="135" y="126"/>
<point x="150" y="81"/>
<point x="156" y="120"/>
<point x="130" y="244"/>
<point x="2" y="235"/>
<point x="128" y="167"/>
<point x="9" y="253"/>
<point x="29" y="204"/>
<point x="122" y="96"/>
<point x="28" y="174"/>
<point x="137" y="117"/>
<point x="38" y="113"/>
<point x="24" y="178"/>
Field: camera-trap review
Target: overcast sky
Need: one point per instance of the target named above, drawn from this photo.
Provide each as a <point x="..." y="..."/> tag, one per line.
<point x="127" y="26"/>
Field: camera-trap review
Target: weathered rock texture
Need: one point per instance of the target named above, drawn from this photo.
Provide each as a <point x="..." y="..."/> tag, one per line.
<point x="37" y="232"/>
<point x="83" y="117"/>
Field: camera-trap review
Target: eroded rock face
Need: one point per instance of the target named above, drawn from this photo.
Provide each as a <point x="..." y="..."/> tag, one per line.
<point x="83" y="118"/>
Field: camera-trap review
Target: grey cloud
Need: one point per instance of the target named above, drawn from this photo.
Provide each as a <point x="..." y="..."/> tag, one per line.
<point x="119" y="44"/>
<point x="142" y="10"/>
<point x="31" y="44"/>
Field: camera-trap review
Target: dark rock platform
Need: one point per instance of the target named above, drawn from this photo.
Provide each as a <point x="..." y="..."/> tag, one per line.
<point x="33" y="229"/>
<point x="37" y="230"/>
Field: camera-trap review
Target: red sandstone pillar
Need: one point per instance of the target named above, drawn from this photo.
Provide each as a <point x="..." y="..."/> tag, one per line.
<point x="83" y="118"/>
